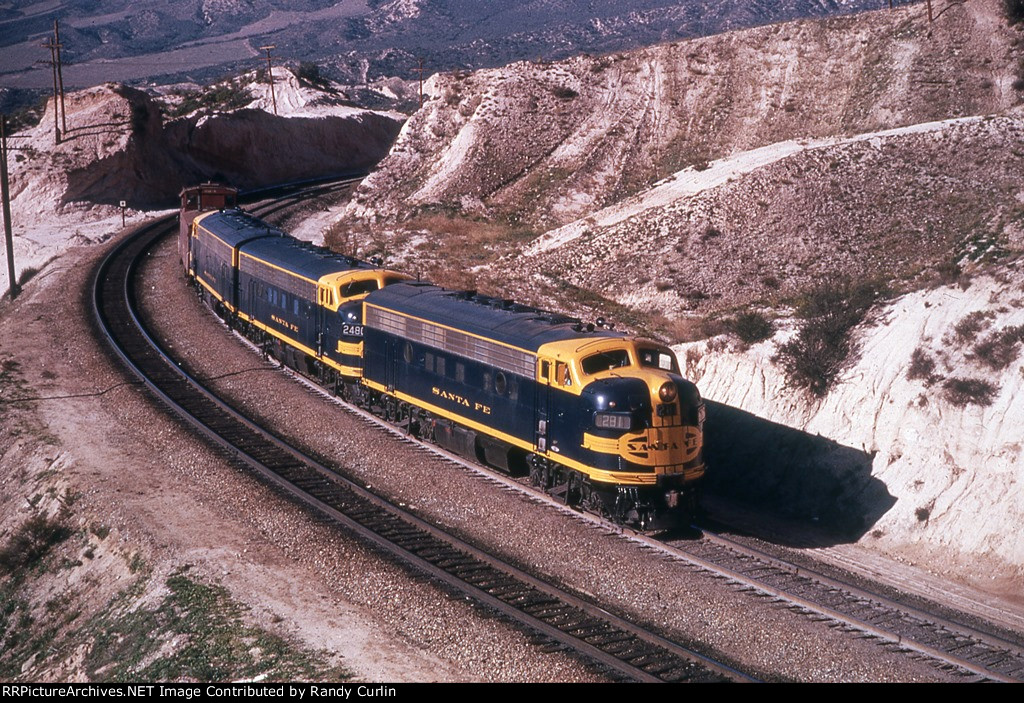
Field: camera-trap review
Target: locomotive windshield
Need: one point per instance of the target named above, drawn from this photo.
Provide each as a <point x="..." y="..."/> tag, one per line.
<point x="350" y="290"/>
<point x="658" y="359"/>
<point x="603" y="361"/>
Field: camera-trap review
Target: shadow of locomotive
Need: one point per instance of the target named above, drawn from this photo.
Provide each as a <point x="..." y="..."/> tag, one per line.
<point x="822" y="490"/>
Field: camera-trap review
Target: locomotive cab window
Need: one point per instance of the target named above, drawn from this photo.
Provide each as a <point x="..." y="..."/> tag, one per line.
<point x="351" y="290"/>
<point x="658" y="359"/>
<point x="603" y="361"/>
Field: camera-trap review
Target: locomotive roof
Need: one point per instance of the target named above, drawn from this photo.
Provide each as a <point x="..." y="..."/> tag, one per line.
<point x="492" y="318"/>
<point x="234" y="226"/>
<point x="301" y="257"/>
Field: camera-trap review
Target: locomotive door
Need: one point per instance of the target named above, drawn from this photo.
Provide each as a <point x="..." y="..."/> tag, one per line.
<point x="542" y="406"/>
<point x="391" y="363"/>
<point x="321" y="322"/>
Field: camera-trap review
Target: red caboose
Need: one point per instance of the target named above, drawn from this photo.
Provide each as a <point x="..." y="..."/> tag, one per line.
<point x="196" y="200"/>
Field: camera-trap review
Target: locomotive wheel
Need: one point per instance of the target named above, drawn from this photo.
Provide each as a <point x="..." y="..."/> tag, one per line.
<point x="592" y="501"/>
<point x="538" y="472"/>
<point x="574" y="488"/>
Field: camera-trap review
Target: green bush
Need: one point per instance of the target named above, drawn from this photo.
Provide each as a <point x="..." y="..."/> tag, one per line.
<point x="962" y="392"/>
<point x="1014" y="11"/>
<point x="751" y="327"/>
<point x="31" y="542"/>
<point x="814" y="359"/>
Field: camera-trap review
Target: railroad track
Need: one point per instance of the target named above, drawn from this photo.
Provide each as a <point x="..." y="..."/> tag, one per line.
<point x="948" y="643"/>
<point x="621" y="648"/>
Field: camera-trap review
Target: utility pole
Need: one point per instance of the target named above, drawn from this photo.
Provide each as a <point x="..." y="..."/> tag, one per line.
<point x="60" y="79"/>
<point x="270" y="74"/>
<point x="52" y="46"/>
<point x="5" y="195"/>
<point x="420" y="69"/>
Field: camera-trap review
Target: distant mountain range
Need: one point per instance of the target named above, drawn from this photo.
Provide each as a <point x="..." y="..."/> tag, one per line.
<point x="353" y="41"/>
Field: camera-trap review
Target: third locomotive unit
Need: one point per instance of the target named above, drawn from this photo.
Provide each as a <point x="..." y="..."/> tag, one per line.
<point x="600" y="419"/>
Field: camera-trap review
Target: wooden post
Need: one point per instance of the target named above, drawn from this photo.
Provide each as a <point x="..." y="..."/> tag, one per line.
<point x="60" y="80"/>
<point x="421" y="82"/>
<point x="5" y="195"/>
<point x="56" y="98"/>
<point x="270" y="74"/>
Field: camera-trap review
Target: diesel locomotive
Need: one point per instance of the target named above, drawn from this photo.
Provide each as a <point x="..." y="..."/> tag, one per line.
<point x="602" y="420"/>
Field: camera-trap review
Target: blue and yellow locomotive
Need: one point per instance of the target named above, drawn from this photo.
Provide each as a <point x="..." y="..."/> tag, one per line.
<point x="600" y="419"/>
<point x="300" y="302"/>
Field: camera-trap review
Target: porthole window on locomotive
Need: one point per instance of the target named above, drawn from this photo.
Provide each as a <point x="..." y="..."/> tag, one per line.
<point x="407" y="353"/>
<point x="500" y="383"/>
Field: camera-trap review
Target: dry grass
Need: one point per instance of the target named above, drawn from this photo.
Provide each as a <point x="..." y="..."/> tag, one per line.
<point x="450" y="246"/>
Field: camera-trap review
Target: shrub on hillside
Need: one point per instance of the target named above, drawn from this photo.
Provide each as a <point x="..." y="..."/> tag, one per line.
<point x="814" y="359"/>
<point x="962" y="392"/>
<point x="751" y="327"/>
<point x="309" y="74"/>
<point x="1014" y="11"/>
<point x="922" y="366"/>
<point x="31" y="542"/>
<point x="968" y="328"/>
<point x="1000" y="349"/>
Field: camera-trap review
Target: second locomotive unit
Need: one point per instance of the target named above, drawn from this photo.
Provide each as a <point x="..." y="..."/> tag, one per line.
<point x="600" y="419"/>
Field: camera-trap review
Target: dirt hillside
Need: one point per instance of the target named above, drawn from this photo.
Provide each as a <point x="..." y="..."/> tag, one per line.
<point x="542" y="144"/>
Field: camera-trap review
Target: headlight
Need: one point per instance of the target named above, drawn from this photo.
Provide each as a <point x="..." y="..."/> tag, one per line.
<point x="667" y="392"/>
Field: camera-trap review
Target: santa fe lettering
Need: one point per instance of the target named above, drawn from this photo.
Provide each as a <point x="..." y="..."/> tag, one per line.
<point x="455" y="398"/>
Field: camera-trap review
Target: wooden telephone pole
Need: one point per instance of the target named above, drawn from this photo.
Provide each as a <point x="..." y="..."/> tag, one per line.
<point x="5" y="196"/>
<point x="53" y="46"/>
<point x="270" y="74"/>
<point x="60" y="78"/>
<point x="420" y="69"/>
